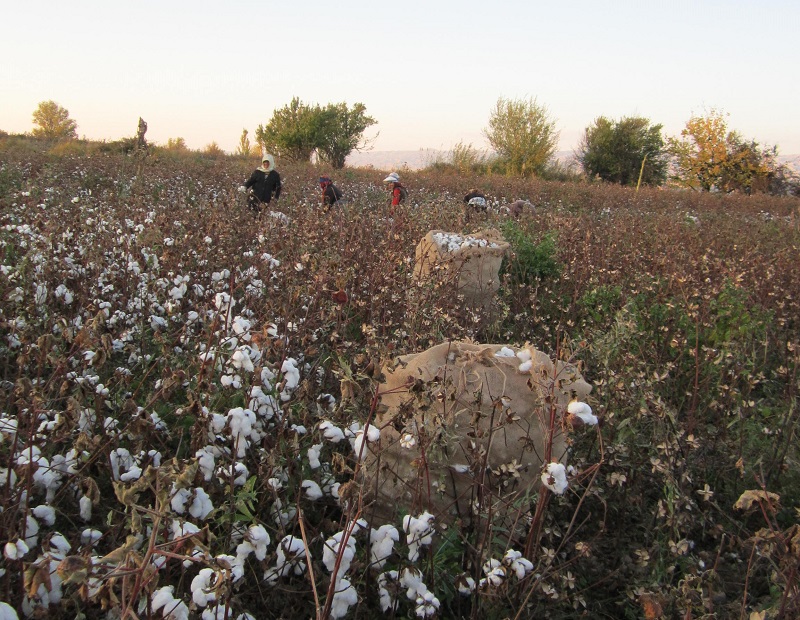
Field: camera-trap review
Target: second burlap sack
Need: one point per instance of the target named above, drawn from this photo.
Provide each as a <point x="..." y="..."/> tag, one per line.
<point x="469" y="263"/>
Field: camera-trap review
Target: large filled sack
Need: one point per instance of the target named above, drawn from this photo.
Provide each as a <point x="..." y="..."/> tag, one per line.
<point x="467" y="430"/>
<point x="470" y="263"/>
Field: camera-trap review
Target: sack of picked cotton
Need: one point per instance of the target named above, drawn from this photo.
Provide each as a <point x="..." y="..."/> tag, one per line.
<point x="471" y="263"/>
<point x="470" y="431"/>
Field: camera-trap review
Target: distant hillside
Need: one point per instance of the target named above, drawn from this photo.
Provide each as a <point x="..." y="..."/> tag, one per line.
<point x="413" y="160"/>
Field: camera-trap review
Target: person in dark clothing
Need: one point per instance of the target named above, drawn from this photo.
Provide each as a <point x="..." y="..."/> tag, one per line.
<point x="263" y="185"/>
<point x="331" y="195"/>
<point x="474" y="202"/>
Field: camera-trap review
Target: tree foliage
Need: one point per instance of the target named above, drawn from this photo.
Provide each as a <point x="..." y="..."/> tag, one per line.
<point x="619" y="151"/>
<point x="53" y="122"/>
<point x="523" y="134"/>
<point x="709" y="157"/>
<point x="342" y="132"/>
<point x="297" y="130"/>
<point x="177" y="145"/>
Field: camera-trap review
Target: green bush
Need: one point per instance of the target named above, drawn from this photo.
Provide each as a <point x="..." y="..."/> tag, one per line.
<point x="530" y="261"/>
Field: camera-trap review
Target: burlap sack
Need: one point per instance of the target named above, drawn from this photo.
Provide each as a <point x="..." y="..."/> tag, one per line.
<point x="466" y="430"/>
<point x="471" y="263"/>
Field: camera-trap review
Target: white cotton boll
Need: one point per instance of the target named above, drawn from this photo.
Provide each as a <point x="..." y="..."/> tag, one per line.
<point x="201" y="505"/>
<point x="387" y="600"/>
<point x="205" y="460"/>
<point x="582" y="411"/>
<point x="46" y="514"/>
<point x="555" y="478"/>
<point x="505" y="352"/>
<point x="90" y="537"/>
<point x="524" y="355"/>
<point x="495" y="573"/>
<point x="331" y="432"/>
<point x="241" y="360"/>
<point x="526" y="366"/>
<point x="466" y="585"/>
<point x="274" y="484"/>
<point x="15" y="550"/>
<point x="85" y="505"/>
<point x="427" y="604"/>
<point x="331" y="551"/>
<point x="7" y="612"/>
<point x="59" y="545"/>
<point x="382" y="544"/>
<point x="178" y="501"/>
<point x="419" y="533"/>
<point x="519" y="565"/>
<point x="203" y="592"/>
<point x="344" y="597"/>
<point x="134" y="473"/>
<point x="313" y="456"/>
<point x="373" y="435"/>
<point x="407" y="441"/>
<point x="259" y="539"/>
<point x="31" y="531"/>
<point x="313" y="492"/>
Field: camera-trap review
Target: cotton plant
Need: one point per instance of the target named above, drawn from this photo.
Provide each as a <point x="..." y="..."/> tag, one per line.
<point x="554" y="478"/>
<point x="419" y="533"/>
<point x="290" y="559"/>
<point x="382" y="542"/>
<point x="363" y="436"/>
<point x="583" y="412"/>
<point x="426" y="603"/>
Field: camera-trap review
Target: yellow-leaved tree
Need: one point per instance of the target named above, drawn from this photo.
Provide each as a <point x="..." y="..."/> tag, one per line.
<point x="53" y="122"/>
<point x="709" y="157"/>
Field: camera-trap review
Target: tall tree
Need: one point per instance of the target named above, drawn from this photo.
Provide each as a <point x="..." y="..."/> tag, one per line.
<point x="53" y="122"/>
<point x="709" y="156"/>
<point x="342" y="132"/>
<point x="523" y="134"/>
<point x="619" y="151"/>
<point x="293" y="131"/>
<point x="244" y="148"/>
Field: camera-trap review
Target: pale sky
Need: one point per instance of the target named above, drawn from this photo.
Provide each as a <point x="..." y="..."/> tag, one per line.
<point x="430" y="72"/>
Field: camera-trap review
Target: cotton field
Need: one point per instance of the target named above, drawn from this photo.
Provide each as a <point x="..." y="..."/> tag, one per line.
<point x="189" y="396"/>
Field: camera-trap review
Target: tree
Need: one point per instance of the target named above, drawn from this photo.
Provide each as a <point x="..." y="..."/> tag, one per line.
<point x="619" y="151"/>
<point x="244" y="148"/>
<point x="293" y="131"/>
<point x="176" y="144"/>
<point x="342" y="132"/>
<point x="53" y="122"/>
<point x="523" y="135"/>
<point x="708" y="156"/>
<point x="214" y="150"/>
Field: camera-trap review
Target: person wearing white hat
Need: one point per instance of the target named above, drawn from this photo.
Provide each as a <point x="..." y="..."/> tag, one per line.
<point x="399" y="192"/>
<point x="263" y="185"/>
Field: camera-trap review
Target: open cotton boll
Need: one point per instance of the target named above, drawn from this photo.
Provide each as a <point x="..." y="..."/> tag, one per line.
<point x="373" y="435"/>
<point x="331" y="432"/>
<point x="15" y="550"/>
<point x="313" y="492"/>
<point x="172" y="608"/>
<point x="201" y="505"/>
<point x="313" y="456"/>
<point x="46" y="514"/>
<point x="582" y="411"/>
<point x="331" y="551"/>
<point x="419" y="532"/>
<point x="382" y="544"/>
<point x="519" y="565"/>
<point x="555" y="478"/>
<point x="387" y="599"/>
<point x="505" y="352"/>
<point x="85" y="505"/>
<point x="344" y="597"/>
<point x="7" y="612"/>
<point x="203" y="591"/>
